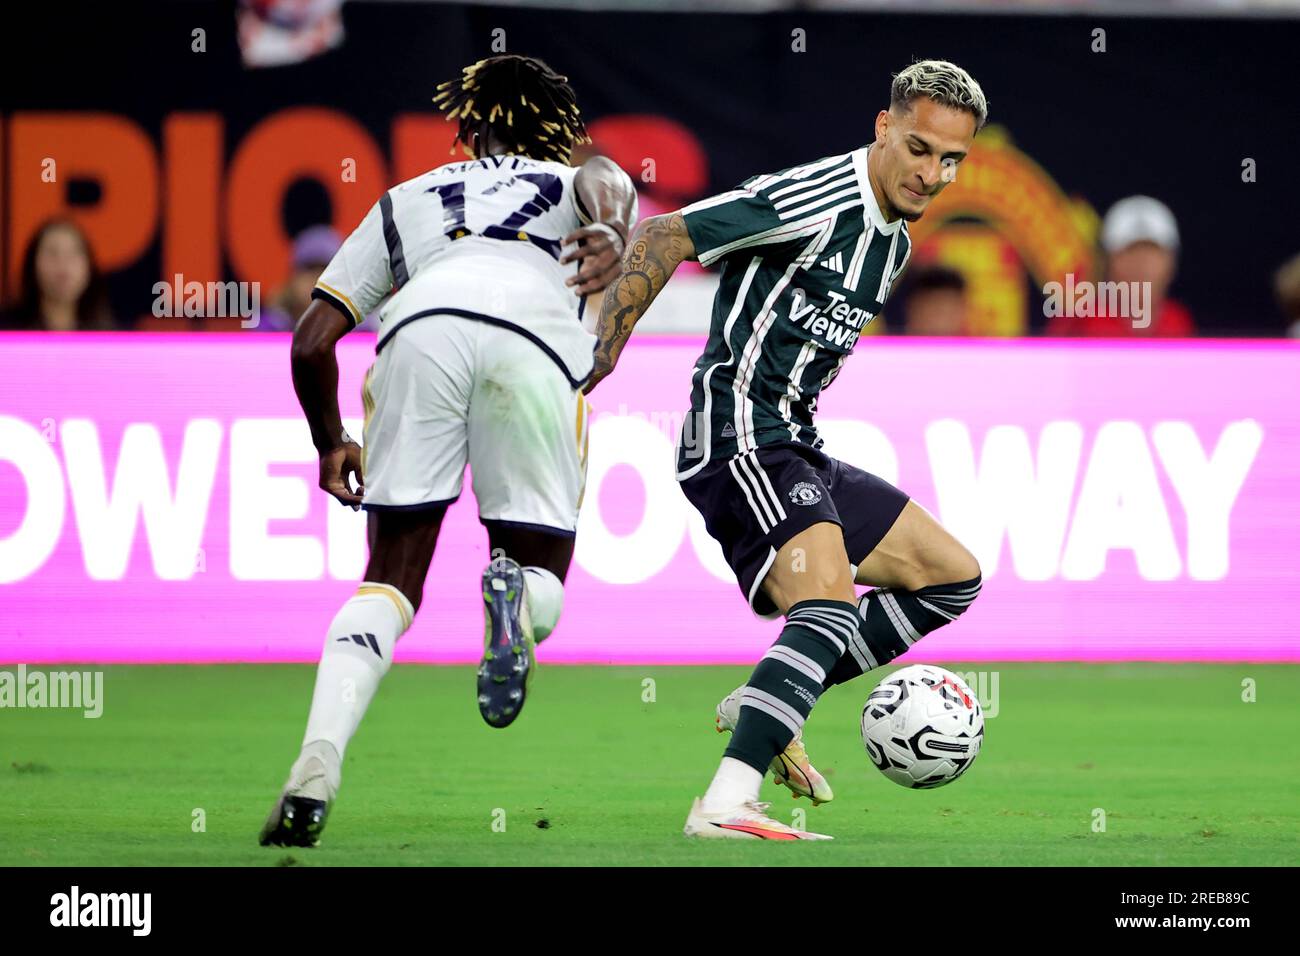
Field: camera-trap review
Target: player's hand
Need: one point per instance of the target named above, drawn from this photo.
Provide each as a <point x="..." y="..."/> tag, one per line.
<point x="600" y="249"/>
<point x="337" y="466"/>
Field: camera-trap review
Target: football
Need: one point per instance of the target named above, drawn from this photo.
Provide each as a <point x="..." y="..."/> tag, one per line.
<point x="922" y="726"/>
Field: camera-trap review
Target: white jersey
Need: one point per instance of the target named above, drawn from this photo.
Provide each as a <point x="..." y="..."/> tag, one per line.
<point x="479" y="239"/>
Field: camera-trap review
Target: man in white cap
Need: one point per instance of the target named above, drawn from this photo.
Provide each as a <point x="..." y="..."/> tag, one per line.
<point x="1140" y="239"/>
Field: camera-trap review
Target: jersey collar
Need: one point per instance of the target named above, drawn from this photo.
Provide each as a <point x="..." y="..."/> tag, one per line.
<point x="871" y="208"/>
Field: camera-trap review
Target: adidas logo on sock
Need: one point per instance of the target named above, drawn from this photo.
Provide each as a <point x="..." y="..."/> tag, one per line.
<point x="364" y="640"/>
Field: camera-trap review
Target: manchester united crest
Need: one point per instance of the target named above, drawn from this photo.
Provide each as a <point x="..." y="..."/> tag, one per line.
<point x="805" y="493"/>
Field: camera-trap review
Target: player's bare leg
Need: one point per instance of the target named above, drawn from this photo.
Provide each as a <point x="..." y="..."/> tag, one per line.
<point x="811" y="566"/>
<point x="358" y="652"/>
<point x="523" y="594"/>
<point x="809" y="581"/>
<point x="549" y="551"/>
<point x="917" y="552"/>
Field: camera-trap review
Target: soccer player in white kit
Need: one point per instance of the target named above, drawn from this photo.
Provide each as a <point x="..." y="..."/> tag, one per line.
<point x="482" y="353"/>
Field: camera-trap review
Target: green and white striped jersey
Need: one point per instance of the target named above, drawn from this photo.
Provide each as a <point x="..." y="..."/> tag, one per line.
<point x="807" y="260"/>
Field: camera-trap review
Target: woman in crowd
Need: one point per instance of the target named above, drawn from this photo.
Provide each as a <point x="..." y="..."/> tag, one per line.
<point x="61" y="288"/>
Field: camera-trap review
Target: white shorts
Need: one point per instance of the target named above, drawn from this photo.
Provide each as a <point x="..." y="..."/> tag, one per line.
<point x="446" y="391"/>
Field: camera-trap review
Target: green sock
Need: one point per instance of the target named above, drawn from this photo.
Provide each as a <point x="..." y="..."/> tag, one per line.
<point x="788" y="680"/>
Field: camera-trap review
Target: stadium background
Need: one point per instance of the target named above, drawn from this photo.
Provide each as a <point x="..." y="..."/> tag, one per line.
<point x="1130" y="501"/>
<point x="151" y="482"/>
<point x="214" y="167"/>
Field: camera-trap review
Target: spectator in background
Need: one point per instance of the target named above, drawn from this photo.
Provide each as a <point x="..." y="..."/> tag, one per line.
<point x="61" y="289"/>
<point x="935" y="302"/>
<point x="1286" y="284"/>
<point x="1139" y="237"/>
<point x="313" y="248"/>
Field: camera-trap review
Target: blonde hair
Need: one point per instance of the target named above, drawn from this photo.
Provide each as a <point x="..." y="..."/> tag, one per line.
<point x="545" y="123"/>
<point x="945" y="83"/>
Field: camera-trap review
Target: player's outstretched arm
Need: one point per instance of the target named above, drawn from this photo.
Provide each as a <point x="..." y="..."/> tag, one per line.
<point x="658" y="246"/>
<point x="316" y="380"/>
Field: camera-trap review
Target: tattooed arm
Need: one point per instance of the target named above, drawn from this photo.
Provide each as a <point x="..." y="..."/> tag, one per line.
<point x="657" y="247"/>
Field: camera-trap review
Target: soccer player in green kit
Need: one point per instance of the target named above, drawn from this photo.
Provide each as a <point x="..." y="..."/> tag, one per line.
<point x="807" y="258"/>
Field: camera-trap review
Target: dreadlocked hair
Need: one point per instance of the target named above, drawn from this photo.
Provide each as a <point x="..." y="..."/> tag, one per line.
<point x="526" y="104"/>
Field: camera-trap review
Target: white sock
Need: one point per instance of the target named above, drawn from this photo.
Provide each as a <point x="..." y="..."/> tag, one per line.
<point x="733" y="784"/>
<point x="316" y="773"/>
<point x="544" y="595"/>
<point x="358" y="652"/>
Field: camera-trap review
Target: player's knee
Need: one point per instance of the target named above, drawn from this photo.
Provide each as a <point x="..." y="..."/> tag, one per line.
<point x="948" y="600"/>
<point x="829" y="579"/>
<point x="805" y="575"/>
<point x="966" y="567"/>
<point x="787" y="595"/>
<point x="412" y="591"/>
<point x="953" y="564"/>
<point x="414" y="595"/>
<point x="969" y="588"/>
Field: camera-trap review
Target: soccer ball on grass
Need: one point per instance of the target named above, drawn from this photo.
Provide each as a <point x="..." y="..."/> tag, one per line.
<point x="922" y="726"/>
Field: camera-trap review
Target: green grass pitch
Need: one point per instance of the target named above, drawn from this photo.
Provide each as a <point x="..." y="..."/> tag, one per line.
<point x="1185" y="771"/>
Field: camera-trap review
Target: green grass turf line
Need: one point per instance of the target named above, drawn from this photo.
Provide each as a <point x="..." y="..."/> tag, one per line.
<point x="1185" y="771"/>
